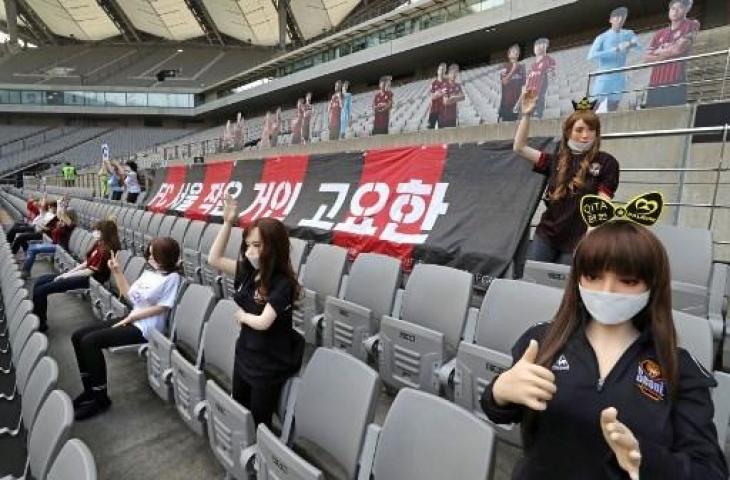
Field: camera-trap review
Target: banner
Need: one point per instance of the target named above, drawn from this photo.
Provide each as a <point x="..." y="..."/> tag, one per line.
<point x="466" y="206"/>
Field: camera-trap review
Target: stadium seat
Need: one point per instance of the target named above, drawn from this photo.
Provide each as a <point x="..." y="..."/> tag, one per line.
<point x="35" y="348"/>
<point x="41" y="382"/>
<point x="298" y="253"/>
<point x="119" y="306"/>
<point x="178" y="232"/>
<point x="224" y="283"/>
<point x="191" y="251"/>
<point x="370" y="292"/>
<point x="189" y="360"/>
<point x="321" y="278"/>
<point x="100" y="294"/>
<point x="28" y="324"/>
<point x="208" y="274"/>
<point x="48" y="434"/>
<point x="544" y="273"/>
<point x="73" y="462"/>
<point x="141" y="234"/>
<point x="425" y="437"/>
<point x="335" y="402"/>
<point x="165" y="229"/>
<point x="130" y="230"/>
<point x="415" y="347"/>
<point x="189" y="316"/>
<point x="503" y="317"/>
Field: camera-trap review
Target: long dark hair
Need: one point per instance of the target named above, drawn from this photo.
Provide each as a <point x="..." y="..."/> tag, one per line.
<point x="274" y="255"/>
<point x="630" y="250"/>
<point x="109" y="235"/>
<point x="565" y="184"/>
<point x="166" y="253"/>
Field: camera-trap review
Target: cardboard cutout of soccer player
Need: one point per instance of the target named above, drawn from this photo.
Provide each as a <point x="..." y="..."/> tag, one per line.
<point x="610" y="50"/>
<point x="275" y="127"/>
<point x="512" y="77"/>
<point x="266" y="132"/>
<point x="452" y="95"/>
<point x="238" y="132"/>
<point x="437" y="93"/>
<point x="346" y="112"/>
<point x="541" y="71"/>
<point x="667" y="84"/>
<point x="296" y="124"/>
<point x="334" y="112"/>
<point x="382" y="104"/>
<point x="306" y="117"/>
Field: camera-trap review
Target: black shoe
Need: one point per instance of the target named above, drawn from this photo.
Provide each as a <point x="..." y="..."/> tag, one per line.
<point x="85" y="397"/>
<point x="92" y="408"/>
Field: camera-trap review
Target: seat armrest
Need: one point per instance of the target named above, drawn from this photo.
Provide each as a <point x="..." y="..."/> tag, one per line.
<point x="367" y="456"/>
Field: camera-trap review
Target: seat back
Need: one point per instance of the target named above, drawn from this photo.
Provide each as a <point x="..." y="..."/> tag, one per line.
<point x="85" y="246"/>
<point x="153" y="228"/>
<point x="373" y="281"/>
<point x="297" y="252"/>
<point x="413" y="445"/>
<point x="437" y="297"/>
<point x="50" y="431"/>
<point x="41" y="382"/>
<point x="689" y="251"/>
<point x="191" y="313"/>
<point x="219" y="345"/>
<point x="694" y="334"/>
<point x="551" y="274"/>
<point x="208" y="273"/>
<point x="26" y="327"/>
<point x="74" y="462"/>
<point x="35" y="348"/>
<point x="233" y="249"/>
<point x="325" y="266"/>
<point x="510" y="307"/>
<point x="134" y="269"/>
<point x="335" y="403"/>
<point x="179" y="230"/>
<point x="165" y="230"/>
<point x="123" y="258"/>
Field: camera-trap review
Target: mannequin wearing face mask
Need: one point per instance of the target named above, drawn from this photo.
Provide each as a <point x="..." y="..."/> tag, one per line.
<point x="578" y="168"/>
<point x="603" y="391"/>
<point x="268" y="351"/>
<point x="106" y="240"/>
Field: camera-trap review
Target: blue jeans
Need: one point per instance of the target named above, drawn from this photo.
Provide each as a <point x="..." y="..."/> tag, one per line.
<point x="34" y="250"/>
<point x="45" y="285"/>
<point x="542" y="251"/>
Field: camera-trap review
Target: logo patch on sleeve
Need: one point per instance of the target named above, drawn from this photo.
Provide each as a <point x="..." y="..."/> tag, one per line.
<point x="649" y="380"/>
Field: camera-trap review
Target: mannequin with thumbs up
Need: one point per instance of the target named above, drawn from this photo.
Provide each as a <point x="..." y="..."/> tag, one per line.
<point x="603" y="392"/>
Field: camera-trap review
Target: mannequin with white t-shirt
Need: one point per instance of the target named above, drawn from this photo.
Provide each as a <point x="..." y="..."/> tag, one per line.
<point x="151" y="296"/>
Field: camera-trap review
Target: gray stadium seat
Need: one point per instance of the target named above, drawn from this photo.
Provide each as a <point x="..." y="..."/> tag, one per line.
<point x="49" y="433"/>
<point x="208" y="274"/>
<point x="119" y="307"/>
<point x="413" y="348"/>
<point x="335" y="402"/>
<point x="153" y="228"/>
<point x="544" y="273"/>
<point x="321" y="278"/>
<point x="695" y="335"/>
<point x="451" y="443"/>
<point x="509" y="308"/>
<point x="41" y="382"/>
<point x="166" y="225"/>
<point x="141" y="234"/>
<point x="100" y="295"/>
<point x="217" y="347"/>
<point x="130" y="227"/>
<point x="35" y="348"/>
<point x="370" y="291"/>
<point x="698" y="284"/>
<point x="28" y="324"/>
<point x="191" y="312"/>
<point x="178" y="231"/>
<point x="74" y="462"/>
<point x="233" y="248"/>
<point x="191" y="251"/>
<point x="297" y="254"/>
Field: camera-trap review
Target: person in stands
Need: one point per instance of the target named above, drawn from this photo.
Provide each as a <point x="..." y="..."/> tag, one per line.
<point x="512" y="77"/>
<point x="346" y="112"/>
<point x="43" y="223"/>
<point x="269" y="350"/>
<point x="382" y="104"/>
<point x="151" y="296"/>
<point x="438" y="86"/>
<point x="296" y="123"/>
<point x="33" y="209"/>
<point x="60" y="235"/>
<point x="541" y="71"/>
<point x="306" y="117"/>
<point x="452" y="95"/>
<point x="603" y="391"/>
<point x="95" y="265"/>
<point x="578" y="168"/>
<point x="334" y="111"/>
<point x="115" y="179"/>
<point x="131" y="181"/>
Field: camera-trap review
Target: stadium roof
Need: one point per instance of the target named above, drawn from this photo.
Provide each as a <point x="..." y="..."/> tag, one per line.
<point x="249" y="21"/>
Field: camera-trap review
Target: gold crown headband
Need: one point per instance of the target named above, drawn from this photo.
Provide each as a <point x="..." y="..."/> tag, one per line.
<point x="583" y="104"/>
<point x="644" y="209"/>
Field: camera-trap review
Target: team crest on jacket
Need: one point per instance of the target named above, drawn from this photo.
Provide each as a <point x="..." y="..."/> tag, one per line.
<point x="561" y="364"/>
<point x="594" y="169"/>
<point x="649" y="380"/>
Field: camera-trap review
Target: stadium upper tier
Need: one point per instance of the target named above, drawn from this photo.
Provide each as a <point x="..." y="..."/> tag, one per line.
<point x="127" y="66"/>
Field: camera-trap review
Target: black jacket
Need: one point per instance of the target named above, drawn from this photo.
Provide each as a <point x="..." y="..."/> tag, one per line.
<point x="677" y="437"/>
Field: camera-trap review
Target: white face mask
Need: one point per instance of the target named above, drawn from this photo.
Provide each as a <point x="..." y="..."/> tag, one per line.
<point x="579" y="147"/>
<point x="96" y="235"/>
<point x="254" y="261"/>
<point x="613" y="308"/>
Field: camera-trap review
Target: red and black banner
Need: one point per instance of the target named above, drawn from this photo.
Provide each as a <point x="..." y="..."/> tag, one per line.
<point x="466" y="206"/>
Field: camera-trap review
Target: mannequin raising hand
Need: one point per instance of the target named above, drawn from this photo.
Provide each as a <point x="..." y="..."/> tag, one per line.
<point x="526" y="383"/>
